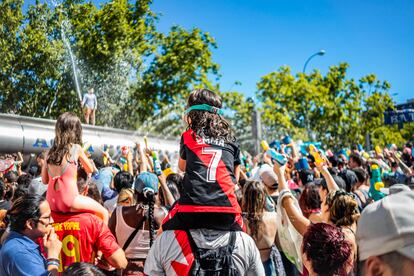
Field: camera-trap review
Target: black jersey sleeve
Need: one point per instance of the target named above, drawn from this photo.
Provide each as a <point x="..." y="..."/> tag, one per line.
<point x="182" y="149"/>
<point x="237" y="160"/>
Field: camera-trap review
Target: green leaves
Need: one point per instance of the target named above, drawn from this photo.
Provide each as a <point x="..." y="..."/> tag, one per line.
<point x="136" y="71"/>
<point x="331" y="108"/>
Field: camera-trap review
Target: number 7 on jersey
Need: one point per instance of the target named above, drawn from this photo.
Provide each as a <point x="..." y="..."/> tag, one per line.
<point x="214" y="161"/>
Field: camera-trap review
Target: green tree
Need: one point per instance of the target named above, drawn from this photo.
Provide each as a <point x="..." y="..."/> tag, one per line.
<point x="333" y="109"/>
<point x="137" y="72"/>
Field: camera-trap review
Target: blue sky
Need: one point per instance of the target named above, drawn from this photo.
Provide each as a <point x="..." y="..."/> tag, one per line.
<point x="256" y="37"/>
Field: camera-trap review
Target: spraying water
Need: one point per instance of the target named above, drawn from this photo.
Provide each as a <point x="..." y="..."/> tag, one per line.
<point x="73" y="62"/>
<point x="64" y="26"/>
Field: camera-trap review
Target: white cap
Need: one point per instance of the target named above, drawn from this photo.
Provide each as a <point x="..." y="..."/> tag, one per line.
<point x="386" y="226"/>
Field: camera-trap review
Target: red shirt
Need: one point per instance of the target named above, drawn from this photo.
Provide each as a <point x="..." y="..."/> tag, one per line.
<point x="82" y="235"/>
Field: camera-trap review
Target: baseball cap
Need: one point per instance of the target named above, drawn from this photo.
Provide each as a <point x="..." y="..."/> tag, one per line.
<point x="306" y="176"/>
<point x="386" y="226"/>
<point x="146" y="181"/>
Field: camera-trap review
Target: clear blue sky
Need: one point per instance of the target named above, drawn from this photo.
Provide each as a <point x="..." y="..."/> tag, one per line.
<point x="257" y="37"/>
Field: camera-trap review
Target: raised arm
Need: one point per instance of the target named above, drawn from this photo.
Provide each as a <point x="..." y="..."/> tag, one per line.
<point x="169" y="198"/>
<point x="86" y="164"/>
<point x="45" y="175"/>
<point x="298" y="221"/>
<point x="143" y="164"/>
<point x="330" y="182"/>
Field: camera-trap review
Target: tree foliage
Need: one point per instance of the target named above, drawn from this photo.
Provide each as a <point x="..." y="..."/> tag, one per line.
<point x="136" y="70"/>
<point x="333" y="108"/>
<point x="142" y="77"/>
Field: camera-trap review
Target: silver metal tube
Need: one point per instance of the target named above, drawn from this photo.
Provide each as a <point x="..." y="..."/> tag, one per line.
<point x="33" y="135"/>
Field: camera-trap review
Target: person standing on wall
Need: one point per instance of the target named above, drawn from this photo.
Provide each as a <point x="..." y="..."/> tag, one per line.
<point x="90" y="104"/>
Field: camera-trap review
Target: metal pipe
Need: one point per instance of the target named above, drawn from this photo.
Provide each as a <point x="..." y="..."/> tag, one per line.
<point x="34" y="135"/>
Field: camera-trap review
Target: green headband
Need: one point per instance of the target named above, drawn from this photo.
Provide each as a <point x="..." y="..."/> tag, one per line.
<point x="205" y="107"/>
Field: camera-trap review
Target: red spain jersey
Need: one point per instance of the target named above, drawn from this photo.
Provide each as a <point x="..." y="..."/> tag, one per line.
<point x="82" y="235"/>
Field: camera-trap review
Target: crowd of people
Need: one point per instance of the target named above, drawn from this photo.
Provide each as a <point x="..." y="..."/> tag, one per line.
<point x="224" y="212"/>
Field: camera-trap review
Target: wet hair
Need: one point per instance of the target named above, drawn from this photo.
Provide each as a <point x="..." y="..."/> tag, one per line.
<point x="356" y="158"/>
<point x="24" y="180"/>
<point x="327" y="249"/>
<point x="123" y="180"/>
<point x="310" y="199"/>
<point x="24" y="208"/>
<point x="253" y="204"/>
<point x="68" y="131"/>
<point x="82" y="269"/>
<point x="205" y="123"/>
<point x="343" y="208"/>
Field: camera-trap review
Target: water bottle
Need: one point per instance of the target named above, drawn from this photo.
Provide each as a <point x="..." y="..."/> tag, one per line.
<point x="156" y="163"/>
<point x="273" y="154"/>
<point x="124" y="163"/>
<point x="376" y="183"/>
<point x="315" y="153"/>
<point x="287" y="140"/>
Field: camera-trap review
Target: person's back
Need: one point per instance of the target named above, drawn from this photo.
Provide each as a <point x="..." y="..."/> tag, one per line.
<point x="62" y="187"/>
<point x="171" y="254"/>
<point x="210" y="159"/>
<point x="82" y="235"/>
<point x="261" y="225"/>
<point x="267" y="234"/>
<point x="60" y="170"/>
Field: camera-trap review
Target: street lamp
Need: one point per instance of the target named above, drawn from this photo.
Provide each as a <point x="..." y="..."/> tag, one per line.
<point x="320" y="53"/>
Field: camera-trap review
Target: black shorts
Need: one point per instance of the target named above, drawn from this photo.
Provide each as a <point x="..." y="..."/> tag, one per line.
<point x="197" y="220"/>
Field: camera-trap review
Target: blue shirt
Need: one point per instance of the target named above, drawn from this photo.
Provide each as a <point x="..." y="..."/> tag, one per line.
<point x="103" y="181"/>
<point x="21" y="256"/>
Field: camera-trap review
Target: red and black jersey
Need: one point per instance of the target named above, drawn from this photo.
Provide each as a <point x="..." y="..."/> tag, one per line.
<point x="209" y="181"/>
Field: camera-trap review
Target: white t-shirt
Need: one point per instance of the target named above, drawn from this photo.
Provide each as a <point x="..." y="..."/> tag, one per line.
<point x="170" y="252"/>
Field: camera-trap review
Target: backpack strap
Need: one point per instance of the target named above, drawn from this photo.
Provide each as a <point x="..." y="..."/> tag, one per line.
<point x="232" y="242"/>
<point x="192" y="243"/>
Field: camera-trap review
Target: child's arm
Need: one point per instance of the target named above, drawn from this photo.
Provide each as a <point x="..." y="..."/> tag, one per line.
<point x="298" y="221"/>
<point x="86" y="164"/>
<point x="237" y="173"/>
<point x="45" y="175"/>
